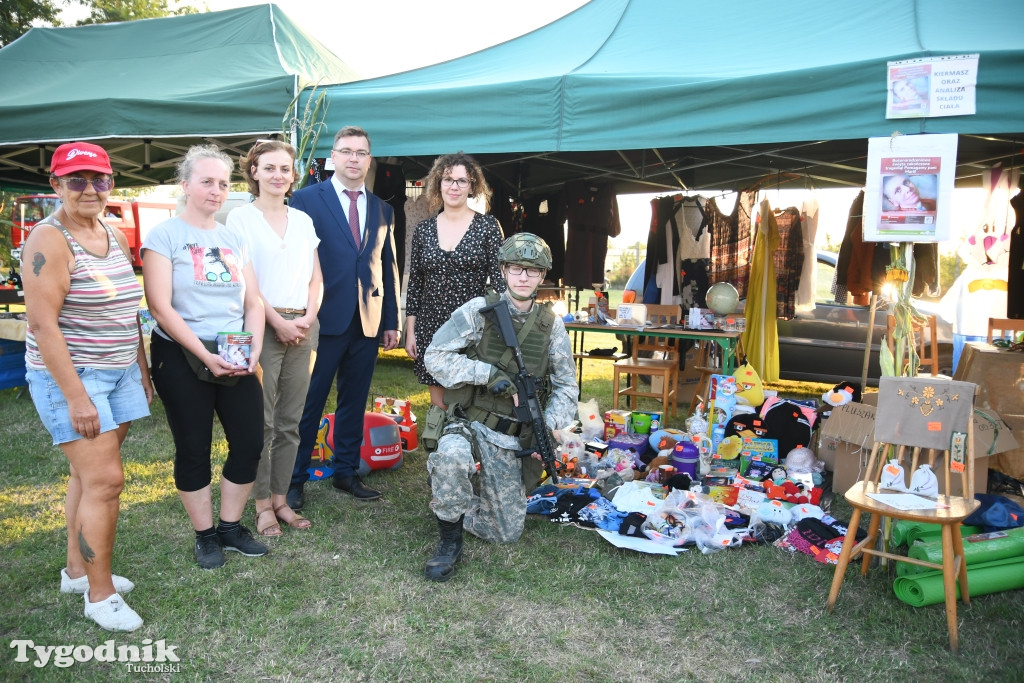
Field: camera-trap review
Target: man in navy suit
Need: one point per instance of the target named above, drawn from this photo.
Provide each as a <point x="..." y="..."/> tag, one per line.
<point x="357" y="256"/>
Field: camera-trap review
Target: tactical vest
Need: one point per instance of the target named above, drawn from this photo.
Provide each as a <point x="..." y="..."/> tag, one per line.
<point x="479" y="404"/>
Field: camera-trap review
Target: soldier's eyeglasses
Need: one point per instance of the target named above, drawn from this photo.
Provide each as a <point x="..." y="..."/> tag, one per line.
<point x="519" y="270"/>
<point x="100" y="183"/>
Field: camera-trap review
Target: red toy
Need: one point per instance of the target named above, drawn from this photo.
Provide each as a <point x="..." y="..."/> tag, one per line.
<point x="381" y="448"/>
<point x="401" y="412"/>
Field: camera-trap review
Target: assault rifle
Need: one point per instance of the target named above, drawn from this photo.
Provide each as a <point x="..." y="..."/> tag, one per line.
<point x="529" y="408"/>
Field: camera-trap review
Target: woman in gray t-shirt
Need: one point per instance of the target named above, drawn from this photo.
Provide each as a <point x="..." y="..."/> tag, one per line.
<point x="199" y="283"/>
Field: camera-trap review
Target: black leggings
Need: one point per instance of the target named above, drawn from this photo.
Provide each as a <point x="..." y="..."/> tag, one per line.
<point x="190" y="405"/>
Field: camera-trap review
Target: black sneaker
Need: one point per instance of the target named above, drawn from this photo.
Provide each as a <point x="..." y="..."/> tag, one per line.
<point x="240" y="540"/>
<point x="209" y="552"/>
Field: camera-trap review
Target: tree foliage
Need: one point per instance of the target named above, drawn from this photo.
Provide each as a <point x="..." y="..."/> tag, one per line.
<point x="629" y="258"/>
<point x="18" y="16"/>
<point x="109" y="11"/>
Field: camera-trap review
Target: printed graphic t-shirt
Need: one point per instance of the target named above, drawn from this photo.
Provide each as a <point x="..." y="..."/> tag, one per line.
<point x="208" y="290"/>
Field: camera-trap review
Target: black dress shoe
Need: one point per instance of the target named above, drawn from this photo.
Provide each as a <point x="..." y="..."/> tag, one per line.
<point x="354" y="486"/>
<point x="295" y="497"/>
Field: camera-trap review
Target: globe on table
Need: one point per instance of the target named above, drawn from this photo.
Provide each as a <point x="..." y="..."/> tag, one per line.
<point x="722" y="298"/>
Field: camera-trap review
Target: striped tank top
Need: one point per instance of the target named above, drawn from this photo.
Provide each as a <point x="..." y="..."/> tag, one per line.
<point x="98" y="318"/>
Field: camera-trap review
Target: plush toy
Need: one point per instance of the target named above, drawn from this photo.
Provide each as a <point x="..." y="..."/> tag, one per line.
<point x="663" y="458"/>
<point x="774" y="512"/>
<point x="799" y="512"/>
<point x="659" y="439"/>
<point x="839" y="395"/>
<point x="730" y="447"/>
<point x="749" y="390"/>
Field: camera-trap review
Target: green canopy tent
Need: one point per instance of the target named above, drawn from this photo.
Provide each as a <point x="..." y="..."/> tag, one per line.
<point x="147" y="90"/>
<point x="696" y="94"/>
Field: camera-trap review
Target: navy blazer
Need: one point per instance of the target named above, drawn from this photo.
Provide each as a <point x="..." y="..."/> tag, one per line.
<point x="369" y="277"/>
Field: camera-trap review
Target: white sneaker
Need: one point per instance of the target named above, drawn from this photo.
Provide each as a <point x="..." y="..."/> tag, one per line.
<point x="81" y="584"/>
<point x="112" y="614"/>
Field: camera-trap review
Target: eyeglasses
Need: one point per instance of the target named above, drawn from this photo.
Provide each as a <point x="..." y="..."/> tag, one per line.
<point x="357" y="153"/>
<point x="519" y="270"/>
<point x="100" y="183"/>
<point x="463" y="183"/>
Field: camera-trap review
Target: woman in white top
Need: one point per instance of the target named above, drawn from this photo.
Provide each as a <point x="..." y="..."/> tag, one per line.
<point x="284" y="253"/>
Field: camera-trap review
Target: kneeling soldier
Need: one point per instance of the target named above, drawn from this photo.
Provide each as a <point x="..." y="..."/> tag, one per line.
<point x="480" y="434"/>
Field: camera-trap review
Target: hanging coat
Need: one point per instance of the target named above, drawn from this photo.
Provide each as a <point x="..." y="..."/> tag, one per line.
<point x="760" y="339"/>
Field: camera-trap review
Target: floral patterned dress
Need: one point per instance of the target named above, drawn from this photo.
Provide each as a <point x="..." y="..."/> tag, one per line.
<point x="440" y="281"/>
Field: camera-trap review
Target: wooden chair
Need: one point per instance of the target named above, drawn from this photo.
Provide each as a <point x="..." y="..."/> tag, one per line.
<point x="922" y="414"/>
<point x="1007" y="327"/>
<point x="927" y="344"/>
<point x="663" y="363"/>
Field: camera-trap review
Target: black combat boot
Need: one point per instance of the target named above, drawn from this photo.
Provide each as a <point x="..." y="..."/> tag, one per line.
<point x="441" y="566"/>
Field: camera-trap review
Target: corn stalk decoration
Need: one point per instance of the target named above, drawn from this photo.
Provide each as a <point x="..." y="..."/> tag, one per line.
<point x="304" y="128"/>
<point x="903" y="359"/>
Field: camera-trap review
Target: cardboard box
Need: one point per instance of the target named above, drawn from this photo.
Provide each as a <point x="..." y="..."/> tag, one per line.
<point x="999" y="375"/>
<point x="689" y="378"/>
<point x="1011" y="462"/>
<point x="617" y="422"/>
<point x="848" y="435"/>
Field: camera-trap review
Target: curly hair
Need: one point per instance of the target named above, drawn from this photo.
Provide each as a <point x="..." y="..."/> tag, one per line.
<point x="197" y="153"/>
<point x="444" y="164"/>
<point x="247" y="162"/>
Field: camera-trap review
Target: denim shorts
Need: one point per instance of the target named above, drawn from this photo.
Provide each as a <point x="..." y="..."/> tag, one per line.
<point x="117" y="395"/>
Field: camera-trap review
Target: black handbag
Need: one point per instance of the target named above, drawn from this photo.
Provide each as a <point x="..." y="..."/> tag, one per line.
<point x="203" y="372"/>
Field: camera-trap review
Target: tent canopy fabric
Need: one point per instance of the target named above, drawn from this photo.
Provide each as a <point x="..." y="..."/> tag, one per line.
<point x="696" y="94"/>
<point x="148" y="89"/>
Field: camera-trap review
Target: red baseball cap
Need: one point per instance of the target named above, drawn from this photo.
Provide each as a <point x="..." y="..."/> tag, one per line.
<point x="79" y="156"/>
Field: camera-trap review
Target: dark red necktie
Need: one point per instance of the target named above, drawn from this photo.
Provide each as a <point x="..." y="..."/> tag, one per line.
<point x="353" y="214"/>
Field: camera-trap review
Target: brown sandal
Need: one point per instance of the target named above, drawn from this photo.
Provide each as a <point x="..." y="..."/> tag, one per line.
<point x="272" y="529"/>
<point x="297" y="521"/>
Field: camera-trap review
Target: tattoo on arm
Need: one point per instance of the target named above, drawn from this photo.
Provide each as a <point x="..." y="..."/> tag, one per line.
<point x="38" y="261"/>
<point x="87" y="553"/>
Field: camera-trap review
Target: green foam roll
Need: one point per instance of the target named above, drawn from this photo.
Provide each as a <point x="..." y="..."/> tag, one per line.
<point x="905" y="532"/>
<point x="997" y="545"/>
<point x="920" y="590"/>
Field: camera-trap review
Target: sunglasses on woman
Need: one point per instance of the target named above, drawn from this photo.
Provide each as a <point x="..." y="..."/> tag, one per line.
<point x="76" y="184"/>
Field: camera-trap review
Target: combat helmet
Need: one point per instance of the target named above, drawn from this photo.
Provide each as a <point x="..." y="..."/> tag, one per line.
<point x="525" y="249"/>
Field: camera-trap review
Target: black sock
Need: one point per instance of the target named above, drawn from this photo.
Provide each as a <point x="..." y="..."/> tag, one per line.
<point x="207" y="533"/>
<point x="227" y="527"/>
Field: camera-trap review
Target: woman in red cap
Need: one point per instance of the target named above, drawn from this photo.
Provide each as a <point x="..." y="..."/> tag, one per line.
<point x="86" y="366"/>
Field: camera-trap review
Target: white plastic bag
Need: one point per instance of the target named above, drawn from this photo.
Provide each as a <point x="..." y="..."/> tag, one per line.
<point x="590" y="420"/>
<point x="893" y="477"/>
<point x="924" y="482"/>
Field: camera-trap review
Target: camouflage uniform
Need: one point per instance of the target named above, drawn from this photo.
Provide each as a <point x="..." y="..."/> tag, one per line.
<point x="498" y="512"/>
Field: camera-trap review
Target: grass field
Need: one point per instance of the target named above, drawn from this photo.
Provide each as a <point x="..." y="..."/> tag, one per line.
<point x="346" y="600"/>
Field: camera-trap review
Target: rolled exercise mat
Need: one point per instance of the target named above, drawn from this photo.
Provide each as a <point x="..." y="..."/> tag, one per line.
<point x="978" y="548"/>
<point x="905" y="532"/>
<point x="920" y="590"/>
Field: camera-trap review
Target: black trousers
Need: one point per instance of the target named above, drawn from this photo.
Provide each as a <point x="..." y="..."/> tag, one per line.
<point x="191" y="404"/>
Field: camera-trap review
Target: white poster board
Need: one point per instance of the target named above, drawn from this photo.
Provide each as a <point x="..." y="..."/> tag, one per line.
<point x="909" y="188"/>
<point x="932" y="86"/>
